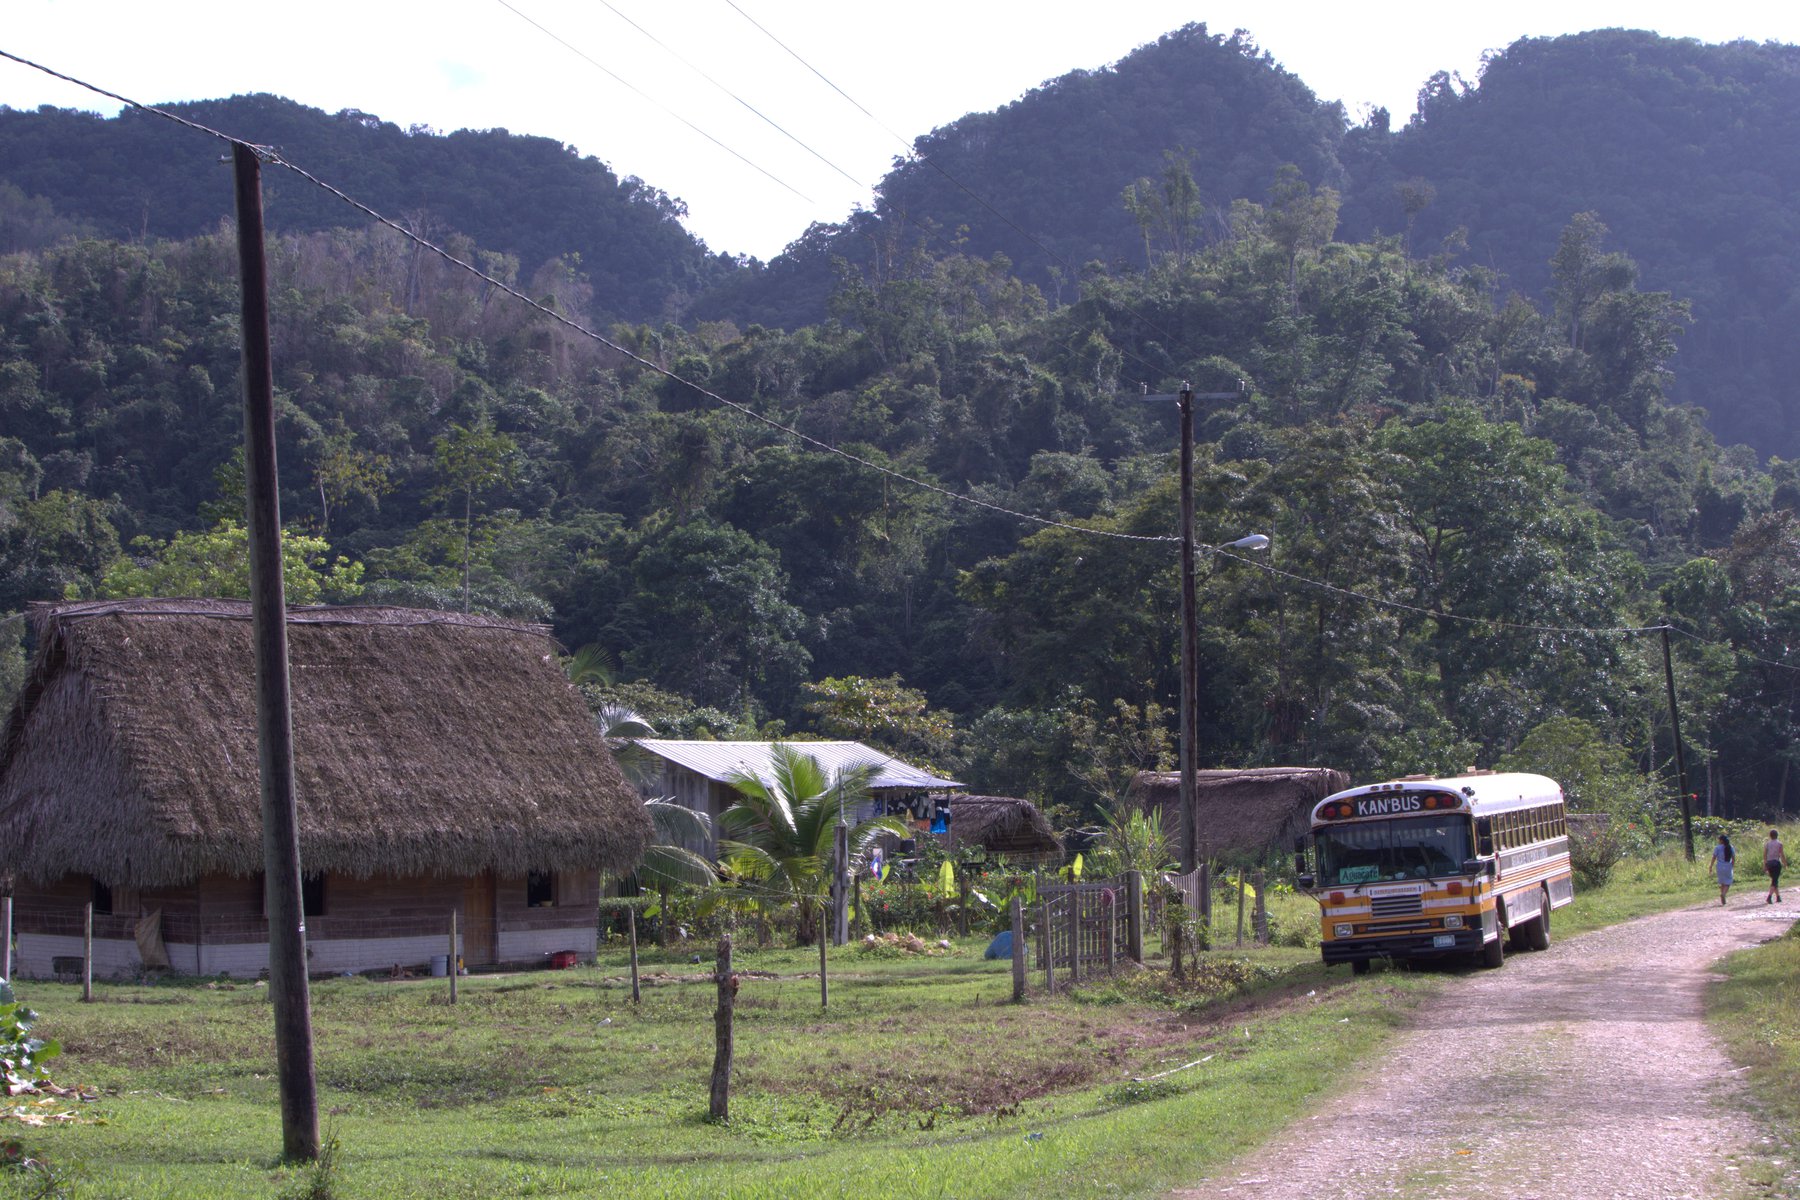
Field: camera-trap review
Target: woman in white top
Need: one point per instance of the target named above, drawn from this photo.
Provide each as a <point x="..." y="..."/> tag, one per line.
<point x="1774" y="858"/>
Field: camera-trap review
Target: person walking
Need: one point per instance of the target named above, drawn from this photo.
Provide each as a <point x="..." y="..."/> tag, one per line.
<point x="1723" y="858"/>
<point x="1774" y="858"/>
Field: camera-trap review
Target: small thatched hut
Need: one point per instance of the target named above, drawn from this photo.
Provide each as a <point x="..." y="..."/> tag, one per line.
<point x="1252" y="812"/>
<point x="1003" y="826"/>
<point x="442" y="764"/>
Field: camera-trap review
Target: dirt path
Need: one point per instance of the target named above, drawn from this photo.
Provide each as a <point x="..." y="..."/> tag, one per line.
<point x="1595" y="1080"/>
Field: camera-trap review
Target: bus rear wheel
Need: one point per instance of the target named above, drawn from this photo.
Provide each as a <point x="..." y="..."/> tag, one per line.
<point x="1494" y="953"/>
<point x="1537" y="933"/>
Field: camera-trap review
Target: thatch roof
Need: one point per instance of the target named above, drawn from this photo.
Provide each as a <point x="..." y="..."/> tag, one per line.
<point x="1247" y="810"/>
<point x="424" y="743"/>
<point x="1003" y="825"/>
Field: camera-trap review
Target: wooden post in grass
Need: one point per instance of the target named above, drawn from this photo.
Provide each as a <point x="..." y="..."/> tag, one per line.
<point x="1134" y="916"/>
<point x="1049" y="953"/>
<point x="1109" y="950"/>
<point x="1074" y="938"/>
<point x="637" y="997"/>
<point x="1018" y="949"/>
<point x="962" y="904"/>
<point x="452" y="959"/>
<point x="720" y="1107"/>
<point x="87" y="952"/>
<point x="1260" y="920"/>
<point x="824" y="979"/>
<point x="5" y="937"/>
<point x="1204" y="915"/>
<point x="1240" y="892"/>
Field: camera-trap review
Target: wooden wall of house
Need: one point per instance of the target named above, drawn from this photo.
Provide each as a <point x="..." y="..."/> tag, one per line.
<point x="217" y="924"/>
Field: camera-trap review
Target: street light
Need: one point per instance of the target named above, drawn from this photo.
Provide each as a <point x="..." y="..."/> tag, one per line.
<point x="1190" y="811"/>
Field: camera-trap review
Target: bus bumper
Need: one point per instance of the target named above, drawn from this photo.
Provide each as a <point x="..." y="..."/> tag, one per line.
<point x="1412" y="945"/>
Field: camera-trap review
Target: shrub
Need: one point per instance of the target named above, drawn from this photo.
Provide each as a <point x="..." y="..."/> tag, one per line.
<point x="1595" y="848"/>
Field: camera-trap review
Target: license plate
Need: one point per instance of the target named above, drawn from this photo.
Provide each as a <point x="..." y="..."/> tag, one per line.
<point x="1444" y="939"/>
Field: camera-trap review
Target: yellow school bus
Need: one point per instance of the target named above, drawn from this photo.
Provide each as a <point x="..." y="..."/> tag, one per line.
<point x="1422" y="867"/>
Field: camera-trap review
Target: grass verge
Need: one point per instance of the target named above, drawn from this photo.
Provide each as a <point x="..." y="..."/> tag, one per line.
<point x="1755" y="1008"/>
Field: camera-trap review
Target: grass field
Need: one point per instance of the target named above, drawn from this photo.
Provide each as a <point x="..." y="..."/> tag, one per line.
<point x="922" y="1079"/>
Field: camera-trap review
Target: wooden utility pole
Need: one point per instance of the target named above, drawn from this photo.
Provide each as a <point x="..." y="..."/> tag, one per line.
<point x="274" y="721"/>
<point x="1687" y="798"/>
<point x="1190" y="643"/>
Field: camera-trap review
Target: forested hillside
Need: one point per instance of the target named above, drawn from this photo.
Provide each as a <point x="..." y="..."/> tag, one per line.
<point x="1689" y="153"/>
<point x="1466" y="506"/>
<point x="1475" y="494"/>
<point x="529" y="198"/>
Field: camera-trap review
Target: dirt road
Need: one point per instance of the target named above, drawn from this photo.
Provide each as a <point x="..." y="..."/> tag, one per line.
<point x="1583" y="1072"/>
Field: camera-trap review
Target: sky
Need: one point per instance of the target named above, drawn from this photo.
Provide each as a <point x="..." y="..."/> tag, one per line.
<point x="762" y="116"/>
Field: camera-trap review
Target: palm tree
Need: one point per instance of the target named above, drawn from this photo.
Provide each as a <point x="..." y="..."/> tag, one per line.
<point x="780" y="831"/>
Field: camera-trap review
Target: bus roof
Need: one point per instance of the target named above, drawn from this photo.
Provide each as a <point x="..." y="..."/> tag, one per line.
<point x="1484" y="792"/>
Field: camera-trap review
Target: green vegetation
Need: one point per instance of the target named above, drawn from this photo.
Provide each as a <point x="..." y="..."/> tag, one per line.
<point x="922" y="1078"/>
<point x="1756" y="1009"/>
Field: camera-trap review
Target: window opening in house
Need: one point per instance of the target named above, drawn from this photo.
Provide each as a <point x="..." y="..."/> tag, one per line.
<point x="103" y="899"/>
<point x="312" y="895"/>
<point x="540" y="889"/>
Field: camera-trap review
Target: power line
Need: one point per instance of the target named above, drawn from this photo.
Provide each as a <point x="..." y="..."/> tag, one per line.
<point x="913" y="152"/>
<point x="645" y="95"/>
<point x="770" y="121"/>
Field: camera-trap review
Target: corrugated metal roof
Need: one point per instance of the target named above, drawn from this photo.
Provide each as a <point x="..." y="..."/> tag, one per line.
<point x="719" y="761"/>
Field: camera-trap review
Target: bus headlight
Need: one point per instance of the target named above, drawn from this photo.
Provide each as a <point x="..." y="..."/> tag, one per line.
<point x="1342" y="931"/>
<point x="1453" y="922"/>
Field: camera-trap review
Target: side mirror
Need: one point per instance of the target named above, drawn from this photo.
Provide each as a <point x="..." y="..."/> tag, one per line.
<point x="1305" y="882"/>
<point x="1300" y="845"/>
<point x="1474" y="866"/>
<point x="1484" y="837"/>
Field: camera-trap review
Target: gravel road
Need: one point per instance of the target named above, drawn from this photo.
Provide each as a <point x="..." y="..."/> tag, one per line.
<point x="1583" y="1072"/>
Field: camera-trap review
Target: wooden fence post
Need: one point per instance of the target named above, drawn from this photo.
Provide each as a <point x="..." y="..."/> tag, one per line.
<point x="452" y="959"/>
<point x="5" y="937"/>
<point x="720" y="1107"/>
<point x="1260" y="921"/>
<point x="1109" y="903"/>
<point x="87" y="953"/>
<point x="1018" y="949"/>
<point x="1049" y="952"/>
<point x="1206" y="903"/>
<point x="631" y="936"/>
<point x="1240" y="906"/>
<point x="962" y="903"/>
<point x="824" y="980"/>
<point x="1074" y="938"/>
<point x="1134" y="916"/>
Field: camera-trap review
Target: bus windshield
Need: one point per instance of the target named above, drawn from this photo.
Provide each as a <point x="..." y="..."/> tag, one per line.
<point x="1384" y="851"/>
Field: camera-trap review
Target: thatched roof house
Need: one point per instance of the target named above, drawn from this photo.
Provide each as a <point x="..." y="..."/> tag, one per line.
<point x="1003" y="825"/>
<point x="441" y="761"/>
<point x="1253" y="811"/>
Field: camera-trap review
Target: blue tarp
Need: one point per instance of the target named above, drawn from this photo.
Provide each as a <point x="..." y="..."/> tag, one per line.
<point x="1001" y="946"/>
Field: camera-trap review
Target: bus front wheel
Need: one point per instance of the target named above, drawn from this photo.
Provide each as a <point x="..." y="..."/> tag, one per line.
<point x="1494" y="953"/>
<point x="1359" y="966"/>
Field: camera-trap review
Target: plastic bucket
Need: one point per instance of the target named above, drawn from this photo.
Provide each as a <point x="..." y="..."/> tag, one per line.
<point x="440" y="965"/>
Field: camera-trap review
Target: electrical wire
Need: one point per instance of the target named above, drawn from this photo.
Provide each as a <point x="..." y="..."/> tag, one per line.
<point x="764" y="117"/>
<point x="917" y="155"/>
<point x="653" y="100"/>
